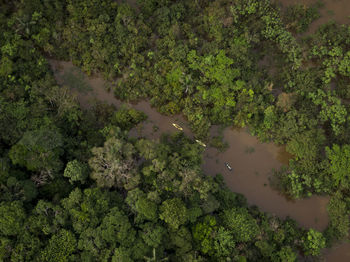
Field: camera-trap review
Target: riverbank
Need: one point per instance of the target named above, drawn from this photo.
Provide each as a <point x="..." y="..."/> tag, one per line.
<point x="251" y="170"/>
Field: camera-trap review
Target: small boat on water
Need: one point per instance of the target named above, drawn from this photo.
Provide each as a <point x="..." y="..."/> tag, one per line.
<point x="177" y="126"/>
<point x="201" y="143"/>
<point x="228" y="166"/>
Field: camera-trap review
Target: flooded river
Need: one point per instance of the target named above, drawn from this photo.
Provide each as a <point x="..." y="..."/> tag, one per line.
<point x="338" y="11"/>
<point x="252" y="162"/>
<point x="335" y="10"/>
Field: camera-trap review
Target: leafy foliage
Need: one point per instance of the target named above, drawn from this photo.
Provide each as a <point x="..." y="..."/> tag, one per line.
<point x="339" y="158"/>
<point x="313" y="242"/>
<point x="74" y="187"/>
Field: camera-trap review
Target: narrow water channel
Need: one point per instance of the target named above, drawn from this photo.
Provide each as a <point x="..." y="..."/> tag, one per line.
<point x="251" y="161"/>
<point x="331" y="10"/>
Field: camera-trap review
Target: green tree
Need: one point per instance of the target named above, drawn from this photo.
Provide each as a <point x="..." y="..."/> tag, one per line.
<point x="338" y="213"/>
<point x="60" y="247"/>
<point x="153" y="234"/>
<point x="224" y="244"/>
<point x="113" y="165"/>
<point x="87" y="208"/>
<point x="203" y="234"/>
<point x="127" y="118"/>
<point x="5" y="245"/>
<point x="15" y="187"/>
<point x="12" y="217"/>
<point x="286" y="254"/>
<point x="47" y="218"/>
<point x="27" y="248"/>
<point x="242" y="225"/>
<point x="116" y="227"/>
<point x="122" y="254"/>
<point x="39" y="150"/>
<point x="147" y="208"/>
<point x="313" y="242"/>
<point x="306" y="145"/>
<point x="144" y="208"/>
<point x="181" y="241"/>
<point x="92" y="246"/>
<point x="173" y="212"/>
<point x="339" y="158"/>
<point x="76" y="171"/>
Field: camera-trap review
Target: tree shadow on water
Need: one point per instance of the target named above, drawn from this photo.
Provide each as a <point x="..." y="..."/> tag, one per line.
<point x="74" y="78"/>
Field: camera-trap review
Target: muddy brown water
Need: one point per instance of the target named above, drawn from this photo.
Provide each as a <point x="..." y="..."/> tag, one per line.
<point x="340" y="253"/>
<point x="335" y="10"/>
<point x="252" y="162"/>
<point x="95" y="88"/>
<point x="338" y="11"/>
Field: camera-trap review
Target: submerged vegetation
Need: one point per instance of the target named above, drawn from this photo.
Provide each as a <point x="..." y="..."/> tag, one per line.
<point x="74" y="187"/>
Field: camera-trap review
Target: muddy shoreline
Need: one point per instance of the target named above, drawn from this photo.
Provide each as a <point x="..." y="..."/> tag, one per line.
<point x="252" y="161"/>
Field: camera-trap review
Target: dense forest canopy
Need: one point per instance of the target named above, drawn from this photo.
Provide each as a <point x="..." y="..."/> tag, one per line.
<point x="75" y="187"/>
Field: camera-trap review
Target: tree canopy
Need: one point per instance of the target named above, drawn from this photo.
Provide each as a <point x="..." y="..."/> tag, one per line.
<point x="75" y="187"/>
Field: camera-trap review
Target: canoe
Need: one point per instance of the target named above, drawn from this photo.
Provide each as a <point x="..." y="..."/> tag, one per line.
<point x="228" y="166"/>
<point x="177" y="126"/>
<point x="201" y="143"/>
